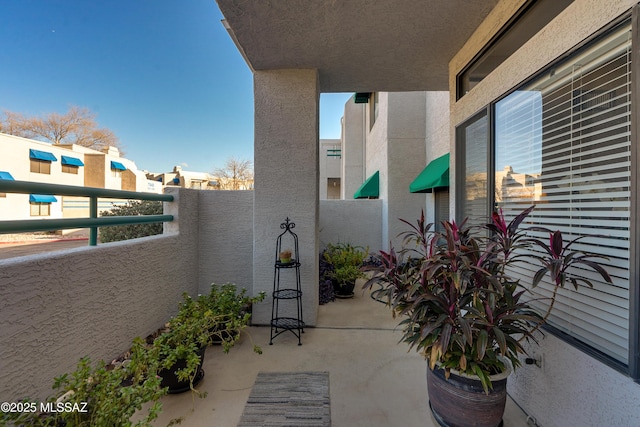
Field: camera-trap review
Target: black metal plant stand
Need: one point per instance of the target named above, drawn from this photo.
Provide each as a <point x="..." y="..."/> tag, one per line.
<point x="285" y="298"/>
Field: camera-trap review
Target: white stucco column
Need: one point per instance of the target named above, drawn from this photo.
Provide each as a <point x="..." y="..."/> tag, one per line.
<point x="286" y="179"/>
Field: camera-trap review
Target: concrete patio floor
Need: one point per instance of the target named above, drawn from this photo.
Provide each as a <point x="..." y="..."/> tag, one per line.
<point x="373" y="380"/>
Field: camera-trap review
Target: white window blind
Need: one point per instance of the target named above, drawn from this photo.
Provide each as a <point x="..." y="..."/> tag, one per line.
<point x="563" y="144"/>
<point x="474" y="143"/>
<point x="441" y="202"/>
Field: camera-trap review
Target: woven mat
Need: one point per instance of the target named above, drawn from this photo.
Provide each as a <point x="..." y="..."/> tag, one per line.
<point x="288" y="399"/>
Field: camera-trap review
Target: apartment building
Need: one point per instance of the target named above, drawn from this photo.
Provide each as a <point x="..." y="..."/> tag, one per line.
<point x="68" y="164"/>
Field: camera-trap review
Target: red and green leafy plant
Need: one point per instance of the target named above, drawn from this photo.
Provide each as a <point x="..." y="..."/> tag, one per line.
<point x="461" y="306"/>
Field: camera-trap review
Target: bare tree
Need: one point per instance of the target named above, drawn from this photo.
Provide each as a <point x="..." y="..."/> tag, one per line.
<point x="235" y="175"/>
<point x="76" y="126"/>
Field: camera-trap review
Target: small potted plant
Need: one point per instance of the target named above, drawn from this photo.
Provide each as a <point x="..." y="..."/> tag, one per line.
<point x="466" y="313"/>
<point x="231" y="307"/>
<point x="346" y="262"/>
<point x="285" y="256"/>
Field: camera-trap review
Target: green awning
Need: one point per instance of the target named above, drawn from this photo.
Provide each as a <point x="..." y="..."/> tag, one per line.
<point x="361" y="97"/>
<point x="435" y="175"/>
<point x="370" y="189"/>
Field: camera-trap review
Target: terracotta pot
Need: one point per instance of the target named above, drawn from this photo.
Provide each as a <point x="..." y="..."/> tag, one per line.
<point x="460" y="400"/>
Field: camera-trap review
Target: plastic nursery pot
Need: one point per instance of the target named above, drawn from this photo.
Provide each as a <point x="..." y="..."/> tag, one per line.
<point x="285" y="257"/>
<point x="170" y="379"/>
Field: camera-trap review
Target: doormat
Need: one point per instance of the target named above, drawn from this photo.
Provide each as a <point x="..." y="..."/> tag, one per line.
<point x="288" y="399"/>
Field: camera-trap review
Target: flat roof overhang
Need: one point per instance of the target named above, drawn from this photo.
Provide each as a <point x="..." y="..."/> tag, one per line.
<point x="356" y="45"/>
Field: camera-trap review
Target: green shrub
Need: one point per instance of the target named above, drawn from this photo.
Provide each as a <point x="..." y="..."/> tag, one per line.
<point x="116" y="233"/>
<point x="346" y="260"/>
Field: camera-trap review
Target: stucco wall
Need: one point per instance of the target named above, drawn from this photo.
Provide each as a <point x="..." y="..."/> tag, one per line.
<point x="353" y="146"/>
<point x="225" y="227"/>
<point x="572" y="389"/>
<point x="330" y="167"/>
<point x="376" y="155"/>
<point x="358" y="222"/>
<point x="286" y="179"/>
<point x="406" y="159"/>
<point x="437" y="137"/>
<point x="57" y="307"/>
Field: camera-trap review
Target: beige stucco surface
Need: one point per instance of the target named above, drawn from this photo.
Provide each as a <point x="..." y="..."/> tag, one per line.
<point x="351" y="221"/>
<point x="356" y="45"/>
<point x="225" y="244"/>
<point x="353" y="148"/>
<point x="286" y="179"/>
<point x="57" y="307"/>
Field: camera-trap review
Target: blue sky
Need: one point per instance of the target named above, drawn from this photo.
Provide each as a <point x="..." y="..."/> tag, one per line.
<point x="163" y="75"/>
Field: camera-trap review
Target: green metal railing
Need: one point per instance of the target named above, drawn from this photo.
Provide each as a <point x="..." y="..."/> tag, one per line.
<point x="93" y="222"/>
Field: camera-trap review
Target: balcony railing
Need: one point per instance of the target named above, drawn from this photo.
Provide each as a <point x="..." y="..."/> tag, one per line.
<point x="92" y="222"/>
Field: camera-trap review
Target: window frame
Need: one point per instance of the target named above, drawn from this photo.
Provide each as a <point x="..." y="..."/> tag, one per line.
<point x="71" y="169"/>
<point x="461" y="158"/>
<point x="503" y="41"/>
<point x="632" y="369"/>
<point x="37" y="166"/>
<point x="39" y="205"/>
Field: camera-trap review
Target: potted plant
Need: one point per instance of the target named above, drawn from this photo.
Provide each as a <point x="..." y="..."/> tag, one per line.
<point x="346" y="262"/>
<point x="465" y="312"/>
<point x="285" y="256"/>
<point x="326" y="293"/>
<point x="100" y="395"/>
<point x="182" y="343"/>
<point x="231" y="308"/>
<point x="181" y="346"/>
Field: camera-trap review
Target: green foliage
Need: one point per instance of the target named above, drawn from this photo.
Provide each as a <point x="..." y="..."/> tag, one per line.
<point x="224" y="311"/>
<point x="115" y="392"/>
<point x="116" y="233"/>
<point x="232" y="309"/>
<point x="112" y="394"/>
<point x="461" y="309"/>
<point x="346" y="260"/>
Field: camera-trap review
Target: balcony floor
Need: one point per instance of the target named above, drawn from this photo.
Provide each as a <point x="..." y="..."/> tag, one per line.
<point x="373" y="380"/>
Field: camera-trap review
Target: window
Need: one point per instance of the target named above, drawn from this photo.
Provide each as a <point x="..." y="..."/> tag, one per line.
<point x="117" y="168"/>
<point x="473" y="168"/>
<point x="562" y="141"/>
<point x="530" y="19"/>
<point x="333" y="188"/>
<point x="70" y="169"/>
<point x="40" y="209"/>
<point x="441" y="201"/>
<point x="40" y="166"/>
<point x="71" y="164"/>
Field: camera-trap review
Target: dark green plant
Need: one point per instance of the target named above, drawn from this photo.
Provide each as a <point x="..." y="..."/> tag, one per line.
<point x="102" y="395"/>
<point x="461" y="309"/>
<point x="232" y="310"/>
<point x="346" y="261"/>
<point x="183" y="338"/>
<point x="116" y="233"/>
<point x="223" y="312"/>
